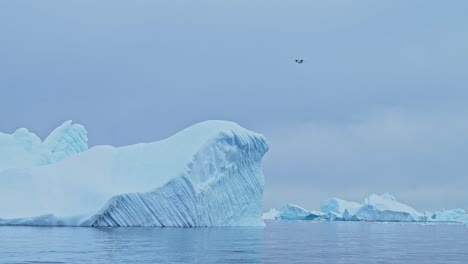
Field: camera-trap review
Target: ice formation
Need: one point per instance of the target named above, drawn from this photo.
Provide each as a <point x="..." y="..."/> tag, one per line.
<point x="294" y="212"/>
<point x="66" y="140"/>
<point x="386" y="208"/>
<point x="271" y="214"/>
<point x="24" y="149"/>
<point x="453" y="215"/>
<point x="376" y="208"/>
<point x="206" y="175"/>
<point x="339" y="207"/>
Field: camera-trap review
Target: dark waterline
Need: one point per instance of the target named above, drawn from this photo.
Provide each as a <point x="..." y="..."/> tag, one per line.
<point x="278" y="242"/>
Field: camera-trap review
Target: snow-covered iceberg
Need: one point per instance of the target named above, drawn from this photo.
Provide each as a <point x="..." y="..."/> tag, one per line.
<point x="294" y="212"/>
<point x="386" y="208"/>
<point x="24" y="149"/>
<point x="453" y="215"/>
<point x="270" y="215"/>
<point x="337" y="208"/>
<point x="206" y="175"/>
<point x="376" y="208"/>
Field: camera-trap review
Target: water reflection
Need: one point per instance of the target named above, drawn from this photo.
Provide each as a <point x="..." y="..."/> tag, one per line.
<point x="131" y="245"/>
<point x="181" y="245"/>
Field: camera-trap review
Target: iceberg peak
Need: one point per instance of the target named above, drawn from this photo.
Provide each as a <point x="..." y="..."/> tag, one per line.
<point x="23" y="149"/>
<point x="387" y="196"/>
<point x="66" y="140"/>
<point x="26" y="139"/>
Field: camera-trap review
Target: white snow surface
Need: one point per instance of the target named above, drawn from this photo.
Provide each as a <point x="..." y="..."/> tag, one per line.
<point x="206" y="175"/>
<point x="24" y="149"/>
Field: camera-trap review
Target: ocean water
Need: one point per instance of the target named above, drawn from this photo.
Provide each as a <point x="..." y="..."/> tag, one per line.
<point x="278" y="242"/>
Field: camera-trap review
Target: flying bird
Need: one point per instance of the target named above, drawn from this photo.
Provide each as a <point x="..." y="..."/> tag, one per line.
<point x="299" y="61"/>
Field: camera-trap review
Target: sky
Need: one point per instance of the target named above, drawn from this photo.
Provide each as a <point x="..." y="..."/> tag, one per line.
<point x="379" y="105"/>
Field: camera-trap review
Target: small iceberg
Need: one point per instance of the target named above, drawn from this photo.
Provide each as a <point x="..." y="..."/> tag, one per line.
<point x="386" y="208"/>
<point x="337" y="208"/>
<point x="270" y="215"/>
<point x="453" y="215"/>
<point x="294" y="212"/>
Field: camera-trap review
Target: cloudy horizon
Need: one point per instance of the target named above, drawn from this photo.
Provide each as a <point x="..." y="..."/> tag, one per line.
<point x="379" y="105"/>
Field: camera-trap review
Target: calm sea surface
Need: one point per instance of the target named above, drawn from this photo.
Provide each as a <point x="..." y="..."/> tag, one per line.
<point x="278" y="242"/>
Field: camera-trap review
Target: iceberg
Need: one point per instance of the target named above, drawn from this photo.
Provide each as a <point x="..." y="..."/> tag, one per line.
<point x="294" y="212"/>
<point x="371" y="213"/>
<point x="66" y="140"/>
<point x="270" y="215"/>
<point x="24" y="149"/>
<point x="376" y="208"/>
<point x="338" y="208"/>
<point x="332" y="216"/>
<point x="453" y="215"/>
<point x="206" y="175"/>
<point x="386" y="208"/>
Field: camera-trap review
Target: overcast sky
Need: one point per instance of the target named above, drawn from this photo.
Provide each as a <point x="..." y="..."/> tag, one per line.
<point x="380" y="103"/>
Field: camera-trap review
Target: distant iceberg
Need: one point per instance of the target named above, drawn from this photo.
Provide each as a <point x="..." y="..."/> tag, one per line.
<point x="339" y="208"/>
<point x="270" y="214"/>
<point x="375" y="208"/>
<point x="294" y="212"/>
<point x="453" y="215"/>
<point x="206" y="175"/>
<point x="386" y="208"/>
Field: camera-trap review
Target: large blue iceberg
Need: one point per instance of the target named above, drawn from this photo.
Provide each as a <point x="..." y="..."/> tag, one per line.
<point x="206" y="175"/>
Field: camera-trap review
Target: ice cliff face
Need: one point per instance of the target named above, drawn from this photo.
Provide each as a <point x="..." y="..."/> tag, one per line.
<point x="24" y="149"/>
<point x="206" y="175"/>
